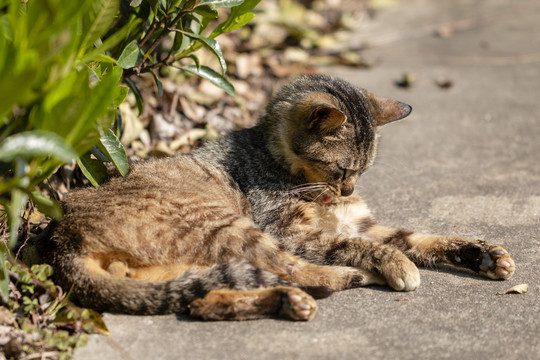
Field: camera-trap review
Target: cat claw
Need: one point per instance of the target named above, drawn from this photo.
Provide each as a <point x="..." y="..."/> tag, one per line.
<point x="298" y="305"/>
<point x="496" y="263"/>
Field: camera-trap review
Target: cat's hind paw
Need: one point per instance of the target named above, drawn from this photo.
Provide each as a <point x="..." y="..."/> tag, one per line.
<point x="496" y="263"/>
<point x="297" y="305"/>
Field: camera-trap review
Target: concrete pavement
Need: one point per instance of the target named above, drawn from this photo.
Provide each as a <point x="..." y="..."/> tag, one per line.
<point x="466" y="162"/>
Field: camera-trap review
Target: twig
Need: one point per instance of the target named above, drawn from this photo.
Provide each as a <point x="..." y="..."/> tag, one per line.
<point x="25" y="231"/>
<point x="166" y="29"/>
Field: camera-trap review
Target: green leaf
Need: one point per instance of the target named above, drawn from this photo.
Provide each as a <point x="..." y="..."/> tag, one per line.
<point x="196" y="61"/>
<point x="96" y="151"/>
<point x="213" y="46"/>
<point x="122" y="93"/>
<point x="104" y="17"/>
<point x="48" y="207"/>
<point x="114" y="149"/>
<point x="35" y="143"/>
<point x="207" y="11"/>
<point x="135" y="3"/>
<point x="222" y="3"/>
<point x="18" y="202"/>
<point x="22" y="81"/>
<point x="137" y="93"/>
<point x="131" y="55"/>
<point x="92" y="169"/>
<point x="240" y="15"/>
<point x="94" y="114"/>
<point x="4" y="279"/>
<point x="111" y="41"/>
<point x="215" y="78"/>
<point x="104" y="58"/>
<point x="158" y="83"/>
<point x="180" y="42"/>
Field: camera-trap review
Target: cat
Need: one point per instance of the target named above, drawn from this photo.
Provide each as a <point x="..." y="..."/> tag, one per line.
<point x="255" y="224"/>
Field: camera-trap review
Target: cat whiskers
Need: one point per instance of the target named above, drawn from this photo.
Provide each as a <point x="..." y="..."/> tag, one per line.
<point x="318" y="196"/>
<point x="312" y="190"/>
<point x="309" y="187"/>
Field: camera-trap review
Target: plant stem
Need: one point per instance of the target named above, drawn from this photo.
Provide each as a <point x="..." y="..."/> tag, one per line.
<point x="166" y="30"/>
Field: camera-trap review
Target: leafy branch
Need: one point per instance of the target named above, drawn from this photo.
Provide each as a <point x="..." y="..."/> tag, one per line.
<point x="61" y="69"/>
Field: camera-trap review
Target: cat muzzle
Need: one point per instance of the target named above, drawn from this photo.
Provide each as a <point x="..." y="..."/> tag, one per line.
<point x="347" y="190"/>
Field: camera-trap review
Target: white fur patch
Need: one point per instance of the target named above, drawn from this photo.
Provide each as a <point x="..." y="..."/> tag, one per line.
<point x="344" y="218"/>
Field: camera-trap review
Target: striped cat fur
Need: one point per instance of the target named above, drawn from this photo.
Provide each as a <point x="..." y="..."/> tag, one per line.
<point x="254" y="224"/>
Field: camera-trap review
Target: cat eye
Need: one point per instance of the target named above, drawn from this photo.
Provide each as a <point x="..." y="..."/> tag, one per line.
<point x="343" y="173"/>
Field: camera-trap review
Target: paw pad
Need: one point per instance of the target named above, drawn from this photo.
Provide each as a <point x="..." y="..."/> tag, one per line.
<point x="496" y="263"/>
<point x="298" y="305"/>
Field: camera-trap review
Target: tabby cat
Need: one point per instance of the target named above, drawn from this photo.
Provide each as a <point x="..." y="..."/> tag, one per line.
<point x="254" y="224"/>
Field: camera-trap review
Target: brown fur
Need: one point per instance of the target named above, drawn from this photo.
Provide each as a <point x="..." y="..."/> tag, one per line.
<point x="236" y="230"/>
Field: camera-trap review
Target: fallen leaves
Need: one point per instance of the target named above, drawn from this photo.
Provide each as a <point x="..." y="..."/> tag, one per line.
<point x="517" y="289"/>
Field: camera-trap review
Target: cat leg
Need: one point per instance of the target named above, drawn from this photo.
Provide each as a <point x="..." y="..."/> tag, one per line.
<point x="331" y="276"/>
<point x="384" y="261"/>
<point x="240" y="238"/>
<point x="282" y="301"/>
<point x="487" y="260"/>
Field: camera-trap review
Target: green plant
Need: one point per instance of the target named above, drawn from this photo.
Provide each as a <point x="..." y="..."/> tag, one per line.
<point x="41" y="319"/>
<point x="61" y="66"/>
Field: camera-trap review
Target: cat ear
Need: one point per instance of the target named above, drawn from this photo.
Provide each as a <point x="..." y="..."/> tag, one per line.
<point x="388" y="110"/>
<point x="325" y="118"/>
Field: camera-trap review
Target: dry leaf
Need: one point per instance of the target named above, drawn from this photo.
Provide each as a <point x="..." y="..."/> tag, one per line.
<point x="518" y="289"/>
<point x="402" y="299"/>
<point x="444" y="31"/>
<point x="406" y="81"/>
<point x="444" y="83"/>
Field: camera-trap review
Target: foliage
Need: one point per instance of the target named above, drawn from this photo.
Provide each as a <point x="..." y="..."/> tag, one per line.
<point x="38" y="318"/>
<point x="61" y="64"/>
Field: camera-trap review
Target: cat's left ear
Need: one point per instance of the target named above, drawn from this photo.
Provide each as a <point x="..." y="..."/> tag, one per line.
<point x="325" y="118"/>
<point x="388" y="110"/>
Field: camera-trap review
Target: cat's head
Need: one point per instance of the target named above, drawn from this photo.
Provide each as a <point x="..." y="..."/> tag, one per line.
<point x="325" y="131"/>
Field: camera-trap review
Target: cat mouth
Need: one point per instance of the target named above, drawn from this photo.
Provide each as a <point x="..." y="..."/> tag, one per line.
<point x="327" y="199"/>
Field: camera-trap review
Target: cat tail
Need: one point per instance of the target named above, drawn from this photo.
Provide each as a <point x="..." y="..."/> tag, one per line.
<point x="98" y="290"/>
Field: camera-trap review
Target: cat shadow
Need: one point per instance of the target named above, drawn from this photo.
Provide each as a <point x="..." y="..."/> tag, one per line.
<point x="445" y="269"/>
<point x="450" y="270"/>
<point x="442" y="268"/>
<point x="186" y="318"/>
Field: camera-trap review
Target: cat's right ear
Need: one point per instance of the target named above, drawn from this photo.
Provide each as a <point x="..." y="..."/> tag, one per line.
<point x="325" y="118"/>
<point x="388" y="110"/>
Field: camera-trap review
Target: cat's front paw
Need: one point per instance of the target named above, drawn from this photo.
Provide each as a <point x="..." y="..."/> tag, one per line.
<point x="496" y="263"/>
<point x="401" y="273"/>
<point x="491" y="261"/>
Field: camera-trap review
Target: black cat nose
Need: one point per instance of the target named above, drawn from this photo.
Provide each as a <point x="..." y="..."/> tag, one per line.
<point x="346" y="190"/>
